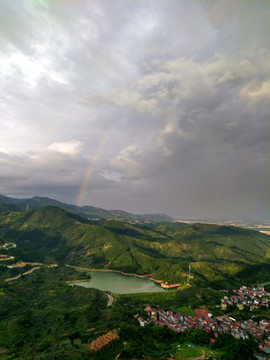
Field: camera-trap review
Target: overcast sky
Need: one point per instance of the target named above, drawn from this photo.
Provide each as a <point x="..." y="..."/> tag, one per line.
<point x="144" y="106"/>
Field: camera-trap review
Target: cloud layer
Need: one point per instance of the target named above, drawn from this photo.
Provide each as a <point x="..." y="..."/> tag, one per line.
<point x="166" y="101"/>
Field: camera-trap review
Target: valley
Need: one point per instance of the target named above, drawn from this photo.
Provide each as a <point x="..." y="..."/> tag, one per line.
<point x="174" y="253"/>
<point x="52" y="263"/>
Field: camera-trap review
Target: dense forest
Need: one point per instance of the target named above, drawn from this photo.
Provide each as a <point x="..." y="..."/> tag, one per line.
<point x="217" y="255"/>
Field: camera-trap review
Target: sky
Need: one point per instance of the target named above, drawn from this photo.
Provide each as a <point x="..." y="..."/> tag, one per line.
<point x="140" y="105"/>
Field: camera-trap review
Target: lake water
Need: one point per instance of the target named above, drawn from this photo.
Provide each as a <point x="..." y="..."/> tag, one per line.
<point x="120" y="284"/>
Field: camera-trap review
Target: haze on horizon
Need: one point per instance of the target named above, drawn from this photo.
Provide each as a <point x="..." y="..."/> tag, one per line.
<point x="146" y="106"/>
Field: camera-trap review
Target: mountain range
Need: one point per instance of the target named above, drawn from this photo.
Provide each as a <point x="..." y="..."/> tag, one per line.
<point x="90" y="212"/>
<point x="221" y="256"/>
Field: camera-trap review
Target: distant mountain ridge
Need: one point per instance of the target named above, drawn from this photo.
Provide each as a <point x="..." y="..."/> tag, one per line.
<point x="90" y="212"/>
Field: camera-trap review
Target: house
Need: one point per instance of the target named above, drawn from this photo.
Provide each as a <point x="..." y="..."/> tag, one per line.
<point x="240" y="306"/>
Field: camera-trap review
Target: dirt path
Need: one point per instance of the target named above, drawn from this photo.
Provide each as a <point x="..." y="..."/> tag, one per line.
<point x="29" y="271"/>
<point x="13" y="278"/>
<point x="2" y="258"/>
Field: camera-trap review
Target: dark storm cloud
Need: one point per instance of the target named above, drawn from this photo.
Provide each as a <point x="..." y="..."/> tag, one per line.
<point x="166" y="102"/>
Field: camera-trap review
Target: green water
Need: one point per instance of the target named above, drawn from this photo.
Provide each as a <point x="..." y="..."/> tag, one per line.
<point x="120" y="284"/>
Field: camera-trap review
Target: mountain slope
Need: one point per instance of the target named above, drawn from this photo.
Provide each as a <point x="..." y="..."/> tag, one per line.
<point x="9" y="200"/>
<point x="11" y="204"/>
<point x="217" y="254"/>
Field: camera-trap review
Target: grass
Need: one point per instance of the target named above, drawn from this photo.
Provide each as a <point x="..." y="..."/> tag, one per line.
<point x="187" y="351"/>
<point x="267" y="255"/>
<point x="211" y="353"/>
<point x="151" y="297"/>
<point x="185" y="310"/>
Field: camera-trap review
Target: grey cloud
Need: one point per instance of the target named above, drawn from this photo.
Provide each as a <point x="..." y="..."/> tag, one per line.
<point x="168" y="100"/>
<point x="240" y="23"/>
<point x="53" y="173"/>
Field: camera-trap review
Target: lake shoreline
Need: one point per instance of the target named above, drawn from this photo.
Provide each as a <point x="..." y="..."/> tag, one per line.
<point x="162" y="284"/>
<point x="75" y="281"/>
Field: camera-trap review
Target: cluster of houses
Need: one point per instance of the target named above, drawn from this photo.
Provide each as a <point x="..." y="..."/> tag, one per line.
<point x="247" y="297"/>
<point x="205" y="321"/>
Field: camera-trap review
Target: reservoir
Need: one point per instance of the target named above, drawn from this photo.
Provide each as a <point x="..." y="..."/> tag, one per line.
<point x="120" y="284"/>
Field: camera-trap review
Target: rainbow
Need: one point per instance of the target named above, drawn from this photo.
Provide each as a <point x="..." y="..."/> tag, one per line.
<point x="91" y="166"/>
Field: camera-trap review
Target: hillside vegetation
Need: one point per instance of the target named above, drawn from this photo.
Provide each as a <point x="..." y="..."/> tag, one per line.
<point x="42" y="317"/>
<point x="219" y="255"/>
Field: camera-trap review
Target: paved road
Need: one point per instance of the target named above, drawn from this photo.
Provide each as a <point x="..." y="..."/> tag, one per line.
<point x="110" y="301"/>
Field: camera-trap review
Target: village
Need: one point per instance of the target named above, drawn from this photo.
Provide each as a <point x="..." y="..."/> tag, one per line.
<point x="250" y="298"/>
<point x="203" y="320"/>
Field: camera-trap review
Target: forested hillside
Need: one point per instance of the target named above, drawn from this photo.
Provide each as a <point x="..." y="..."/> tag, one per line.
<point x="218" y="255"/>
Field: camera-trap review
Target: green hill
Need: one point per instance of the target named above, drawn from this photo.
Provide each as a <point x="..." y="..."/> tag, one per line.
<point x="42" y="317"/>
<point x="218" y="255"/>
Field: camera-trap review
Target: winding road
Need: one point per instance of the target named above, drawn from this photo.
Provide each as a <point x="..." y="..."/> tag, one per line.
<point x="110" y="299"/>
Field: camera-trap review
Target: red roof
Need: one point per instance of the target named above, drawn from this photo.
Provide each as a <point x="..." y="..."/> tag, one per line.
<point x="201" y="312"/>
